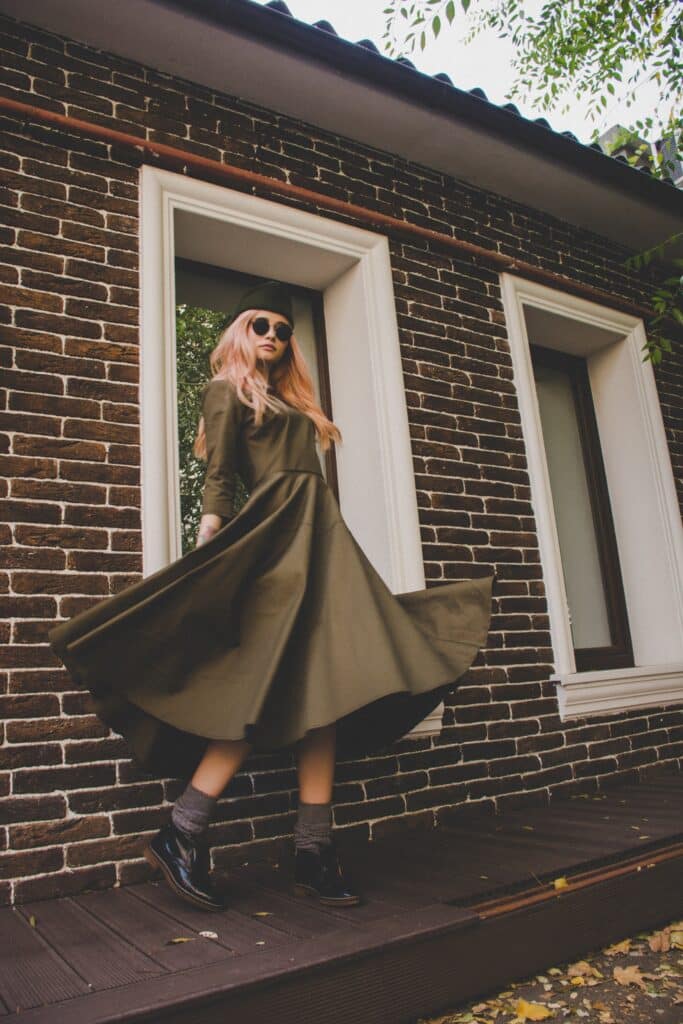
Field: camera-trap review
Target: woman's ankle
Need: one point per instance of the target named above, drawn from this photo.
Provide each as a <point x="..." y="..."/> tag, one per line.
<point x="313" y="826"/>
<point x="192" y="810"/>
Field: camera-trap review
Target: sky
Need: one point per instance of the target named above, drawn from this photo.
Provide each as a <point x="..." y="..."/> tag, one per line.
<point x="485" y="62"/>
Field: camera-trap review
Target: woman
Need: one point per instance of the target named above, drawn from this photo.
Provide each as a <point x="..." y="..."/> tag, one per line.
<point x="276" y="631"/>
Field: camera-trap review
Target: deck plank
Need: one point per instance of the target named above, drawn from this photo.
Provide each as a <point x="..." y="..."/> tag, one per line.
<point x="423" y="887"/>
<point x="31" y="972"/>
<point x="150" y="930"/>
<point x="280" y="881"/>
<point x="102" y="958"/>
<point x="236" y="932"/>
<point x="203" y="984"/>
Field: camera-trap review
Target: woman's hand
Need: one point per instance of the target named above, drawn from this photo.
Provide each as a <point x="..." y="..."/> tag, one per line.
<point x="209" y="524"/>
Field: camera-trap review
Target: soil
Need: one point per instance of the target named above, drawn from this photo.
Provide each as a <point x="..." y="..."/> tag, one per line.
<point x="636" y="981"/>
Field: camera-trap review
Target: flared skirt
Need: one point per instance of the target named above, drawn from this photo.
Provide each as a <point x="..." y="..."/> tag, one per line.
<point x="278" y="625"/>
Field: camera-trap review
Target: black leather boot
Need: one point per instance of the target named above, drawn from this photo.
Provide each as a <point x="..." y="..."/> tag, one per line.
<point x="184" y="861"/>
<point x="320" y="874"/>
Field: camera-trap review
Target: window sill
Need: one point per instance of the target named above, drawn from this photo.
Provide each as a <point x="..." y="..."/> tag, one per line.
<point x="431" y="725"/>
<point x="614" y="690"/>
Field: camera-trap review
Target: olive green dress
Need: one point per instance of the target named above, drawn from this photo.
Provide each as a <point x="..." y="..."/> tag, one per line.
<point x="276" y="625"/>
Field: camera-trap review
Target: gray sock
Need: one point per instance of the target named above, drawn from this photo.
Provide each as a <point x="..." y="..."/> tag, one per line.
<point x="192" y="810"/>
<point x="313" y="826"/>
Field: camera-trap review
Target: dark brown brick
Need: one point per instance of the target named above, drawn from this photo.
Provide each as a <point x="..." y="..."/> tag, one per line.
<point x="70" y="474"/>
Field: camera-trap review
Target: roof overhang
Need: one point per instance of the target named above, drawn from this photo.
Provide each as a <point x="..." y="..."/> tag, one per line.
<point x="270" y="59"/>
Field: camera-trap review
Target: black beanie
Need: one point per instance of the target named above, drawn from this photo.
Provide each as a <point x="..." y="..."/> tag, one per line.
<point x="271" y="295"/>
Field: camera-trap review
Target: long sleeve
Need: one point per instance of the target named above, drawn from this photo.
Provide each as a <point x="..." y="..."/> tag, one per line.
<point x="222" y="414"/>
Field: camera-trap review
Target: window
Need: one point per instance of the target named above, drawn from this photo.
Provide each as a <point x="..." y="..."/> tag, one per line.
<point x="204" y="293"/>
<point x="603" y="497"/>
<point x="349" y="267"/>
<point x="590" y="561"/>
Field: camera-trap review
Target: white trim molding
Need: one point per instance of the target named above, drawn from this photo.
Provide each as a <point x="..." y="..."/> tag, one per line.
<point x="181" y="215"/>
<point x="590" y="693"/>
<point x="643" y="499"/>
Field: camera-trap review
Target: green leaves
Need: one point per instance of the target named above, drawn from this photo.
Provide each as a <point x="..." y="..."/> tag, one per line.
<point x="596" y="51"/>
<point x="197" y="332"/>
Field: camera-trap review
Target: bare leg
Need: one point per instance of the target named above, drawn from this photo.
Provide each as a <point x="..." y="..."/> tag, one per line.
<point x="315" y="764"/>
<point x="221" y="761"/>
<point x="318" y="871"/>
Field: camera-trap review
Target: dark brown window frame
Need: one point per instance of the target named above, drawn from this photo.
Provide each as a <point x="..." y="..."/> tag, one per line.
<point x="618" y="654"/>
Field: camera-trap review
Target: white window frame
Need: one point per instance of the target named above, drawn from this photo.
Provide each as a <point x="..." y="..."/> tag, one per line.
<point x="376" y="479"/>
<point x="644" y="504"/>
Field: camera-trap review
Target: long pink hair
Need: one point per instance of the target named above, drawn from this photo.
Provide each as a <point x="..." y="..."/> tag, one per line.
<point x="234" y="359"/>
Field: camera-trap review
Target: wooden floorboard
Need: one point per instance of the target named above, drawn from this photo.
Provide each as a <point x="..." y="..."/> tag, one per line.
<point x="106" y="956"/>
<point x="99" y="956"/>
<point x="238" y="934"/>
<point x="31" y="972"/>
<point x="149" y="930"/>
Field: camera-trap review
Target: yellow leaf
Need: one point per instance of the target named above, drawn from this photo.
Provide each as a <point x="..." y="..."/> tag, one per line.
<point x="676" y="938"/>
<point x="528" y="828"/>
<point x="578" y="980"/>
<point x="263" y="913"/>
<point x="581" y="967"/>
<point x="561" y="883"/>
<point x="531" y="1011"/>
<point x="181" y="938"/>
<point x="32" y="920"/>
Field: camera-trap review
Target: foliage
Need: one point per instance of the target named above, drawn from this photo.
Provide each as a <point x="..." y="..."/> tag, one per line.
<point x="196" y="336"/>
<point x="666" y="299"/>
<point x="584" y="49"/>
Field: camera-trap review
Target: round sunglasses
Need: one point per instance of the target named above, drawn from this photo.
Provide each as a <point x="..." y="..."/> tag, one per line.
<point x="261" y="325"/>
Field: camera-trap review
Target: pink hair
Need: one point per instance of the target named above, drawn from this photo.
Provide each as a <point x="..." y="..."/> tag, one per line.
<point x="234" y="359"/>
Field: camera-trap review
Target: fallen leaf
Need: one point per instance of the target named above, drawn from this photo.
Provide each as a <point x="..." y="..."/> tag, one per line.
<point x="660" y="942"/>
<point x="582" y="969"/>
<point x="33" y="920"/>
<point x="561" y="883"/>
<point x="262" y="913"/>
<point x="629" y="976"/>
<point x="676" y="938"/>
<point x="531" y="1011"/>
<point x="181" y="938"/>
<point x="618" y="947"/>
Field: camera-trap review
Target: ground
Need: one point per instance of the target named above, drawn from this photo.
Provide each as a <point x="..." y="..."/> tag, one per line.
<point x="637" y="981"/>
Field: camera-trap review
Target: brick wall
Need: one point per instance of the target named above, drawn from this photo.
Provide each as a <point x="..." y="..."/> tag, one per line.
<point x="75" y="811"/>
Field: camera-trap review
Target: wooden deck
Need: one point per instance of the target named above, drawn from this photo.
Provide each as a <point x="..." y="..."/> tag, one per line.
<point x="447" y="915"/>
